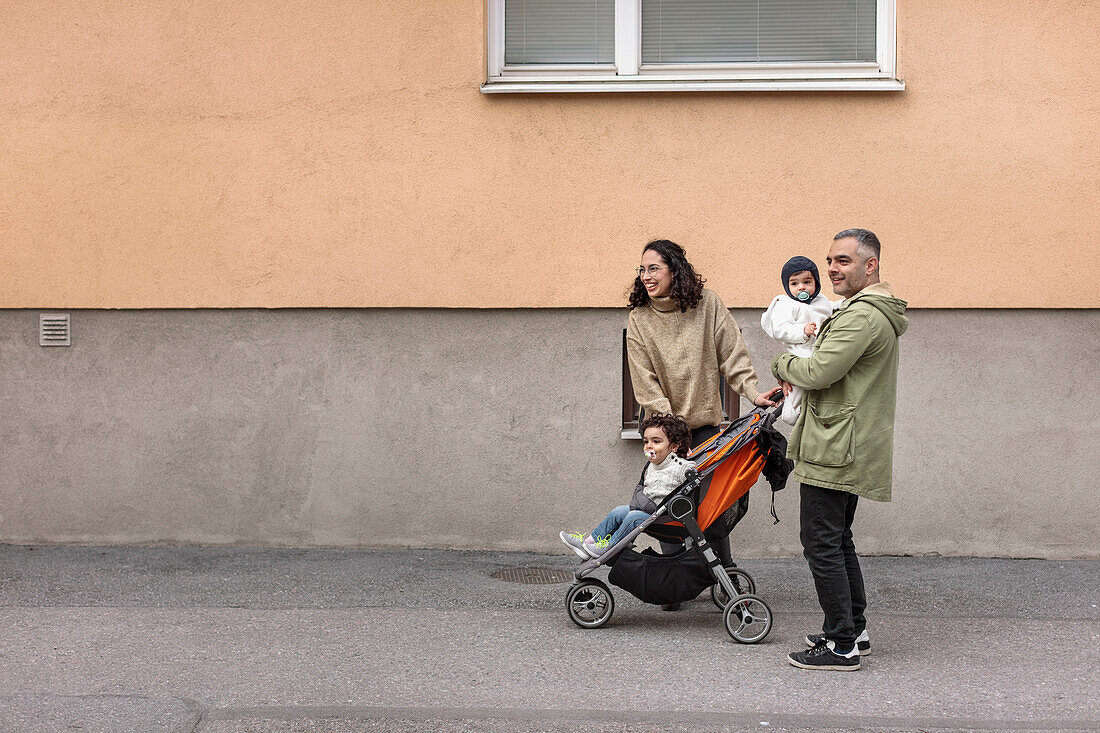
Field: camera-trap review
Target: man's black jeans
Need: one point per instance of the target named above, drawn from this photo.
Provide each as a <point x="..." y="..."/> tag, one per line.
<point x="826" y="523"/>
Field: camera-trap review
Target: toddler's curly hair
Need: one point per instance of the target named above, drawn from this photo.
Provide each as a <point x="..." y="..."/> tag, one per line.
<point x="674" y="428"/>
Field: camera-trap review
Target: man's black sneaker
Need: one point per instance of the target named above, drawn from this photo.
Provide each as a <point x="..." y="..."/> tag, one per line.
<point x="863" y="642"/>
<point x="823" y="656"/>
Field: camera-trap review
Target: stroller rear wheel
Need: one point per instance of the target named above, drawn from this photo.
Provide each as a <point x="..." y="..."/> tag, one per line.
<point x="742" y="581"/>
<point x="590" y="604"/>
<point x="748" y="619"/>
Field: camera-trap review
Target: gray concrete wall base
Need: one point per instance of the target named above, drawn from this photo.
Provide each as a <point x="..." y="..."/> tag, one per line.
<point x="495" y="429"/>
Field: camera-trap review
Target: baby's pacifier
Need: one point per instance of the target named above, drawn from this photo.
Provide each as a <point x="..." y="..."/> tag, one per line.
<point x="804" y="295"/>
<point x="650" y="454"/>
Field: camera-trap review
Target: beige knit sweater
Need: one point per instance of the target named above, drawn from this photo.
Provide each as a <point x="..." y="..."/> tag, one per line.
<point x="675" y="358"/>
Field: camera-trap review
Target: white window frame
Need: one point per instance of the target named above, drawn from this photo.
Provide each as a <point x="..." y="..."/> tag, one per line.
<point x="629" y="74"/>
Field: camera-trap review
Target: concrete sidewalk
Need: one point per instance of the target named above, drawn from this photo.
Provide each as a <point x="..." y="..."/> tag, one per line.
<point x="212" y="639"/>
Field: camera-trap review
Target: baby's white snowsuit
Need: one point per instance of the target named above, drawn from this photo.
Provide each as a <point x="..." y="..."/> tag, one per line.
<point x="785" y="321"/>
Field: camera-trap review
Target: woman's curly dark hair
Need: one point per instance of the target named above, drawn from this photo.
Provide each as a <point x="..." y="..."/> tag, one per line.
<point x="675" y="429"/>
<point x="687" y="285"/>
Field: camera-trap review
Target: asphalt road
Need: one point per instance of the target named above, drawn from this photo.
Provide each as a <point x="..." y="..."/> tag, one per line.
<point x="218" y="640"/>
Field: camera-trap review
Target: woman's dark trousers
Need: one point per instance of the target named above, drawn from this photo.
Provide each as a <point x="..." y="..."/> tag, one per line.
<point x="826" y="520"/>
<point x="722" y="547"/>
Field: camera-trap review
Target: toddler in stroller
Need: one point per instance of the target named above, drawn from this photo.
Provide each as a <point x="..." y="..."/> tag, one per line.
<point x="703" y="508"/>
<point x="665" y="440"/>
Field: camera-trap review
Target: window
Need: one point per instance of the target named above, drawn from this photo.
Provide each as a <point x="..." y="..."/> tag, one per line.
<point x="559" y="32"/>
<point x="690" y="45"/>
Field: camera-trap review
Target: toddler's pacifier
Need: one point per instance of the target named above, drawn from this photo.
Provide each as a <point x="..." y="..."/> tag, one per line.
<point x="804" y="295"/>
<point x="650" y="454"/>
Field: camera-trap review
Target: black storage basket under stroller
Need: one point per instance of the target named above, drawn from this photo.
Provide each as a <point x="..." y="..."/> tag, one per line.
<point x="660" y="579"/>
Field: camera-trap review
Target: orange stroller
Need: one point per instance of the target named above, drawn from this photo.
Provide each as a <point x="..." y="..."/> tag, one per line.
<point x="702" y="510"/>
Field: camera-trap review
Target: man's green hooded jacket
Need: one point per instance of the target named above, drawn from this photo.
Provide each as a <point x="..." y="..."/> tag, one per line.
<point x="844" y="438"/>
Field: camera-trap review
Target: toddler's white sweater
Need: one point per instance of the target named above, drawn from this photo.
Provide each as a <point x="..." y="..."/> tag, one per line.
<point x="661" y="479"/>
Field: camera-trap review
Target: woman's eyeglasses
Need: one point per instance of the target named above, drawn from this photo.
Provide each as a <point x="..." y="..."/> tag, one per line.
<point x="652" y="270"/>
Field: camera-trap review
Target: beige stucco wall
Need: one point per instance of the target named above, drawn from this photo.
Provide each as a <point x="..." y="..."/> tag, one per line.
<point x="338" y="153"/>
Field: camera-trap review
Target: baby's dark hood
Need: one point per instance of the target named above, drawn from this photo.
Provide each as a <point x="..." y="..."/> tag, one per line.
<point x="798" y="264"/>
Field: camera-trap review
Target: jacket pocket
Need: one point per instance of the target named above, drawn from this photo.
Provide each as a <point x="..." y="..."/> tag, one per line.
<point x="827" y="437"/>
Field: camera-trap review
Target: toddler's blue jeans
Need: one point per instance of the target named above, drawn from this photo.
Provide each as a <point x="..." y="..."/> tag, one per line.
<point x="618" y="523"/>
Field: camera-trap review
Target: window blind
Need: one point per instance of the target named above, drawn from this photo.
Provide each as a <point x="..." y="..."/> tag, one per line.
<point x="559" y="31"/>
<point x="700" y="31"/>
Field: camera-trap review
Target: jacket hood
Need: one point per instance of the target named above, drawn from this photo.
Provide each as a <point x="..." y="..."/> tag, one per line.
<point x="881" y="295"/>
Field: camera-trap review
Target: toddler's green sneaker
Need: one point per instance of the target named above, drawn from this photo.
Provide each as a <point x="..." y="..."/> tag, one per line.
<point x="575" y="542"/>
<point x="595" y="547"/>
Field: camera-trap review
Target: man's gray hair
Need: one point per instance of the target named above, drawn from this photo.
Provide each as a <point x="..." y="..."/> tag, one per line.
<point x="867" y="243"/>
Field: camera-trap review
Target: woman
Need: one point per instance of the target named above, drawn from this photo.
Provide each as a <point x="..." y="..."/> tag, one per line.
<point x="679" y="339"/>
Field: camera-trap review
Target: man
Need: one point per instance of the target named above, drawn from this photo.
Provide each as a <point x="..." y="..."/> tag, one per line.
<point x="843" y="441"/>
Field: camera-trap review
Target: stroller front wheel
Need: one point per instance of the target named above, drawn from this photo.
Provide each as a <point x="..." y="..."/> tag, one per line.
<point x="590" y="604"/>
<point x="742" y="581"/>
<point x="748" y="619"/>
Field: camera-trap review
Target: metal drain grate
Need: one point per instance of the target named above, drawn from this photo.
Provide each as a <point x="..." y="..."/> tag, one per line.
<point x="532" y="576"/>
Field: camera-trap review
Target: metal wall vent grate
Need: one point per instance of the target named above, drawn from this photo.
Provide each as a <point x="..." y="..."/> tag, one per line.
<point x="53" y="329"/>
<point x="532" y="576"/>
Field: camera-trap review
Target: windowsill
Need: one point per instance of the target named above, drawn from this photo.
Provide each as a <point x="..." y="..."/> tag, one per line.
<point x="502" y="85"/>
<point x="634" y="434"/>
